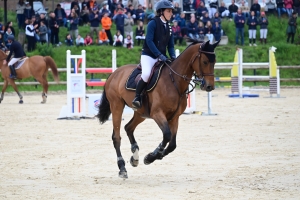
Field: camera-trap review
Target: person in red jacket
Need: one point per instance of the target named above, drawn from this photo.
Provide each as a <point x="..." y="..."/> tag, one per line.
<point x="176" y="32"/>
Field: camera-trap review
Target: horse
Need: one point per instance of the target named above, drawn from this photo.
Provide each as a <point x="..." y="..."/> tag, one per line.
<point x="166" y="102"/>
<point x="36" y="66"/>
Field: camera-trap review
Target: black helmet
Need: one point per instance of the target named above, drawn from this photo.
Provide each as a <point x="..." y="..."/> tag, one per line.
<point x="164" y="4"/>
<point x="11" y="37"/>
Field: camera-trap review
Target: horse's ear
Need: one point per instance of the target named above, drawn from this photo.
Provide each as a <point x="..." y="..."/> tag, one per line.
<point x="206" y="45"/>
<point x="216" y="44"/>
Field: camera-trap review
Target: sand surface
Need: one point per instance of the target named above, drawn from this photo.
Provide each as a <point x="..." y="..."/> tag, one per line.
<point x="250" y="150"/>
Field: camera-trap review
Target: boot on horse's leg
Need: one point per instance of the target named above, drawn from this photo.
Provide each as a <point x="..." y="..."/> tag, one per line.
<point x="13" y="74"/>
<point x="137" y="101"/>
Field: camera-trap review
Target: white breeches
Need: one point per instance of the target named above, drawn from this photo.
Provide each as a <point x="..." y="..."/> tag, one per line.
<point x="13" y="61"/>
<point x="263" y="33"/>
<point x="252" y="34"/>
<point x="147" y="64"/>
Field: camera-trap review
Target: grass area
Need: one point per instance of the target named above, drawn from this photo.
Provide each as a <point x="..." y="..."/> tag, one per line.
<point x="100" y="56"/>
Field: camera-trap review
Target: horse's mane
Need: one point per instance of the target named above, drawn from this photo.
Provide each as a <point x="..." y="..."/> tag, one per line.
<point x="194" y="41"/>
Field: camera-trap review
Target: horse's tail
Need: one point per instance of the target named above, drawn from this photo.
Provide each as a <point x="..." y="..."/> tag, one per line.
<point x="50" y="63"/>
<point x="104" y="109"/>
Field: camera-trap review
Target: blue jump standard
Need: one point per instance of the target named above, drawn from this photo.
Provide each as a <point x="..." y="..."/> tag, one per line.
<point x="244" y="95"/>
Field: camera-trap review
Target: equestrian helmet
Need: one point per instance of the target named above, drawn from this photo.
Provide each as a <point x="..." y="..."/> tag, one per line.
<point x="11" y="37"/>
<point x="164" y="4"/>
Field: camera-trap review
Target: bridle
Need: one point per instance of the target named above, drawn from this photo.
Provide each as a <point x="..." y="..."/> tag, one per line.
<point x="198" y="78"/>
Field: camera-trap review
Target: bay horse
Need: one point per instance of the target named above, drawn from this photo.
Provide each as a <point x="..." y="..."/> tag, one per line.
<point x="166" y="102"/>
<point x="36" y="66"/>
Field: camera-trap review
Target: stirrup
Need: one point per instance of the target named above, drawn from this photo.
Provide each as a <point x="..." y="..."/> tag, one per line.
<point x="137" y="102"/>
<point x="12" y="77"/>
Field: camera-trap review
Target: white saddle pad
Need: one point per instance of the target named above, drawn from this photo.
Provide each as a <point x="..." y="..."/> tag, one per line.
<point x="20" y="63"/>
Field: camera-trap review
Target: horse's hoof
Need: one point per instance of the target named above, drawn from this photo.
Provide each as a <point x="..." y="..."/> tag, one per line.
<point x="123" y="174"/>
<point x="43" y="102"/>
<point x="150" y="158"/>
<point x="21" y="101"/>
<point x="134" y="162"/>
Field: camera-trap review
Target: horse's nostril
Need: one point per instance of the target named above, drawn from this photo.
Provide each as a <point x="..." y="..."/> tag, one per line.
<point x="209" y="88"/>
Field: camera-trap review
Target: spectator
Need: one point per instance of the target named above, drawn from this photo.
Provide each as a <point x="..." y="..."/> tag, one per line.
<point x="88" y="40"/>
<point x="252" y="23"/>
<point x="54" y="26"/>
<point x="256" y="8"/>
<point x="132" y="11"/>
<point x="29" y="31"/>
<point x="92" y="4"/>
<point x="140" y="14"/>
<point x="213" y="7"/>
<point x="239" y="21"/>
<point x="28" y="11"/>
<point x="6" y="34"/>
<point x="219" y="20"/>
<point x="95" y="22"/>
<point x="73" y="18"/>
<point x="280" y="7"/>
<point x="84" y="4"/>
<point x="106" y="24"/>
<point x="192" y="29"/>
<point x="149" y="12"/>
<point x="182" y="24"/>
<point x="85" y="15"/>
<point x="176" y="33"/>
<point x="292" y="27"/>
<point x="140" y="33"/>
<point x="118" y="39"/>
<point x="289" y="7"/>
<point x="61" y="15"/>
<point x="79" y="41"/>
<point x="205" y="19"/>
<point x="245" y="10"/>
<point x="128" y="25"/>
<point x="263" y="22"/>
<point x="69" y="40"/>
<point x="128" y="43"/>
<point x="112" y="4"/>
<point x="43" y="30"/>
<point x="224" y="12"/>
<point x="176" y="10"/>
<point x="135" y="4"/>
<point x="232" y="9"/>
<point x="271" y="6"/>
<point x="296" y="5"/>
<point x="208" y="30"/>
<point x="196" y="4"/>
<point x="20" y="14"/>
<point x="74" y="4"/>
<point x="186" y="5"/>
<point x="201" y="10"/>
<point x="103" y="39"/>
<point x="119" y="20"/>
<point x="2" y="44"/>
<point x="10" y="25"/>
<point x="76" y="9"/>
<point x="36" y="25"/>
<point x="217" y="31"/>
<point x="104" y="10"/>
<point x="43" y="19"/>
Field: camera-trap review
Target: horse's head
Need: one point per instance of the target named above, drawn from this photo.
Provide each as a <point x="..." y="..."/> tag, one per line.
<point x="203" y="64"/>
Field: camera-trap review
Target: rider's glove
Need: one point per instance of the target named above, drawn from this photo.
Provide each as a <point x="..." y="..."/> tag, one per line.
<point x="162" y="58"/>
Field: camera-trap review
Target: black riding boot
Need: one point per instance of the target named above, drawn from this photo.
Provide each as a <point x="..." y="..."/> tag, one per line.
<point x="137" y="101"/>
<point x="13" y="74"/>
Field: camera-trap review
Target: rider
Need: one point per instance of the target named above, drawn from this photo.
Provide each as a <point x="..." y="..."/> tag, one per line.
<point x="18" y="51"/>
<point x="159" y="36"/>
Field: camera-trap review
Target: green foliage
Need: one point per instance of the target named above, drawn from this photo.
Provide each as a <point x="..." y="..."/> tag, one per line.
<point x="44" y="50"/>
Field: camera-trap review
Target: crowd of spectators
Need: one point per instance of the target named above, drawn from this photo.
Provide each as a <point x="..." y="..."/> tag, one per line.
<point x="194" y="20"/>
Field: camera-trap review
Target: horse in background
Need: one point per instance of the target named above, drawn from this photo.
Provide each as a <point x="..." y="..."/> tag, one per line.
<point x="36" y="66"/>
<point x="164" y="104"/>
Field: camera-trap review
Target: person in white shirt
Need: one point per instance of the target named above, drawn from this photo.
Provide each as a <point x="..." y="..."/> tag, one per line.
<point x="118" y="39"/>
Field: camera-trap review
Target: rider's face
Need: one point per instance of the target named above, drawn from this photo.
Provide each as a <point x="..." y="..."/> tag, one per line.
<point x="168" y="13"/>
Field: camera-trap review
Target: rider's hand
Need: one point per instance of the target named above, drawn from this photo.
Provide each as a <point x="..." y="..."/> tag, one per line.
<point x="4" y="62"/>
<point x="162" y="58"/>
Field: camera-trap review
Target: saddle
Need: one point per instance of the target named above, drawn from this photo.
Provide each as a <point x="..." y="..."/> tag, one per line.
<point x="136" y="73"/>
<point x="20" y="62"/>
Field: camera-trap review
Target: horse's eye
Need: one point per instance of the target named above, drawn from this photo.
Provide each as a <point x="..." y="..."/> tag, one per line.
<point x="205" y="62"/>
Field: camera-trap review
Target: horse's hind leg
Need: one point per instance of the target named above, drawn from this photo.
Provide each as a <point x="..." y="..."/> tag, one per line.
<point x="129" y="128"/>
<point x="43" y="81"/>
<point x="3" y="90"/>
<point x="169" y="130"/>
<point x="117" y="110"/>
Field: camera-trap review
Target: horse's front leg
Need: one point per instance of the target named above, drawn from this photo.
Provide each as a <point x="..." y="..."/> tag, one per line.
<point x="169" y="136"/>
<point x="3" y="90"/>
<point x="13" y="84"/>
<point x="129" y="128"/>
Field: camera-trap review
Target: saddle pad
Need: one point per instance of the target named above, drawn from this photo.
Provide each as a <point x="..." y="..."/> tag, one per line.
<point x="20" y="63"/>
<point x="131" y="83"/>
